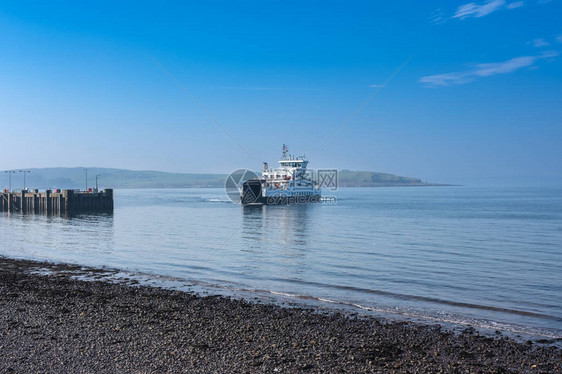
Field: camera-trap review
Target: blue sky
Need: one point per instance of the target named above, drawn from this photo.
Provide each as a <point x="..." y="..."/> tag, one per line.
<point x="457" y="90"/>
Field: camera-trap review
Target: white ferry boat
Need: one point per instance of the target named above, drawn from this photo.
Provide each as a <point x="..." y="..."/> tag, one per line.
<point x="288" y="184"/>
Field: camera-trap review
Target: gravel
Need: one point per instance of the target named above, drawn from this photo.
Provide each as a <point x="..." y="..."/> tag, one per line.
<point x="57" y="324"/>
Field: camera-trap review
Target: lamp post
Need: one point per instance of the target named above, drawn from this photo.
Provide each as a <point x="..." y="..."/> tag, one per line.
<point x="97" y="176"/>
<point x="24" y="173"/>
<point x="86" y="170"/>
<point x="10" y="174"/>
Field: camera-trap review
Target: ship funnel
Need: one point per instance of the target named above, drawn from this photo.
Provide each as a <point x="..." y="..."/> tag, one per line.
<point x="265" y="166"/>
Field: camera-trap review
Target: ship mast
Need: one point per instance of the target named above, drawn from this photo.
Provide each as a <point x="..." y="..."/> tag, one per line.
<point x="285" y="150"/>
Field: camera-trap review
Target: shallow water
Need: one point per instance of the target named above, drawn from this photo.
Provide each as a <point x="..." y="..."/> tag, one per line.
<point x="489" y="257"/>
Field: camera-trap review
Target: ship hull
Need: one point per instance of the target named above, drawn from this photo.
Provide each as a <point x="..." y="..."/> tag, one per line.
<point x="283" y="200"/>
<point x="252" y="193"/>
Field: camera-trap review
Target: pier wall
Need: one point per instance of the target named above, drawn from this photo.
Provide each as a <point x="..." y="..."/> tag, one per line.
<point x="63" y="202"/>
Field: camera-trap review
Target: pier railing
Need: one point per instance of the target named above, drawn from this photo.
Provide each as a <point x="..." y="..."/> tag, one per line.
<point x="58" y="202"/>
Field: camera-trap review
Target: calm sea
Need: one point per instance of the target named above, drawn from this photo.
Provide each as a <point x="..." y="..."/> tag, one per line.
<point x="488" y="257"/>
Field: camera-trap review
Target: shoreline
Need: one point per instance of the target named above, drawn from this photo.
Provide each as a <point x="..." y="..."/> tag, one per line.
<point x="55" y="323"/>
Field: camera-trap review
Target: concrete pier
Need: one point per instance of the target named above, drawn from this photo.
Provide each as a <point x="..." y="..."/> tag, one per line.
<point x="58" y="202"/>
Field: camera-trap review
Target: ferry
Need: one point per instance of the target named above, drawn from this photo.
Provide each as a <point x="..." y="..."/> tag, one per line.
<point x="288" y="184"/>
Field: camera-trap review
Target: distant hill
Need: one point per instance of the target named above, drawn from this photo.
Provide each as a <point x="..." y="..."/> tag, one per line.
<point x="111" y="178"/>
<point x="348" y="178"/>
<point x="121" y="178"/>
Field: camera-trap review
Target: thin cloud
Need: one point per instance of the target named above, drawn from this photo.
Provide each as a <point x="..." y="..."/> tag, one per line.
<point x="485" y="70"/>
<point x="476" y="10"/>
<point x="442" y="80"/>
<point x="540" y="42"/>
<point x="559" y="38"/>
<point x="480" y="10"/>
<point x="376" y="85"/>
<point x="515" y="4"/>
<point x="438" y="16"/>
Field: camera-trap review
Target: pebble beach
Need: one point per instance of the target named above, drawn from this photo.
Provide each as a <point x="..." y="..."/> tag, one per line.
<point x="58" y="324"/>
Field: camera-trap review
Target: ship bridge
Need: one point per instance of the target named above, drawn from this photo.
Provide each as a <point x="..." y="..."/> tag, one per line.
<point x="294" y="163"/>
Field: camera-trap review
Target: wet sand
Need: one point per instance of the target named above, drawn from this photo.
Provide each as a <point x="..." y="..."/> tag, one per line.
<point x="57" y="324"/>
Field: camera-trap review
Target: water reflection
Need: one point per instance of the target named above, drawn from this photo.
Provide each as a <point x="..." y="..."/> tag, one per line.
<point x="275" y="241"/>
<point x="252" y="224"/>
<point x="62" y="237"/>
<point x="288" y="224"/>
